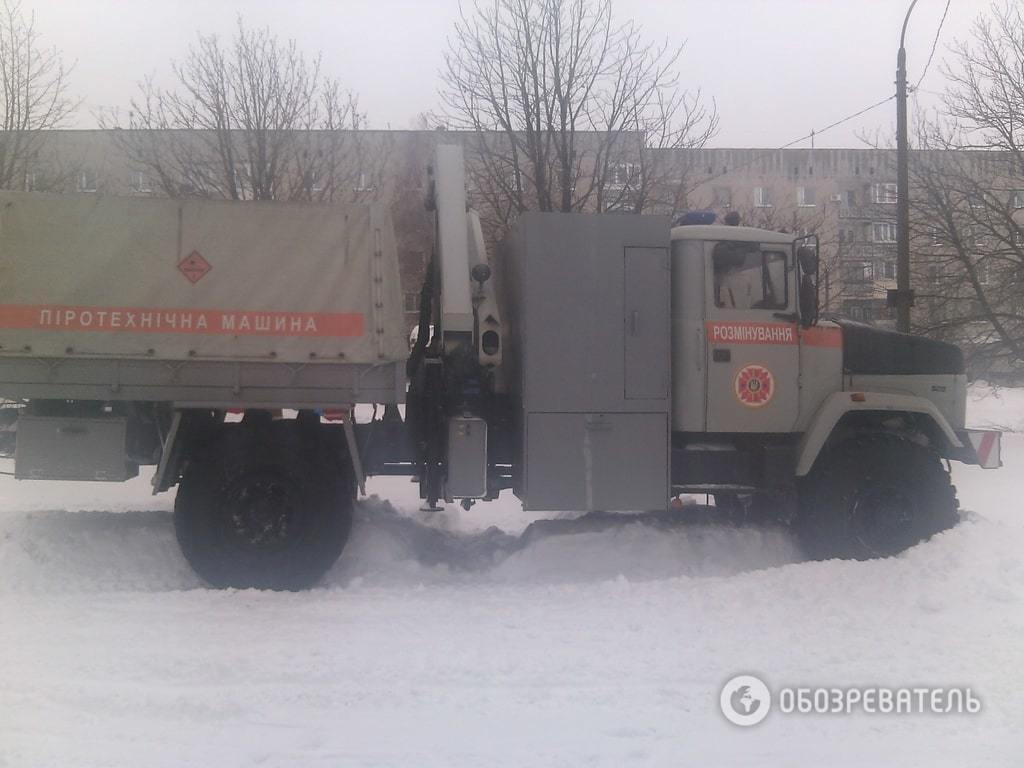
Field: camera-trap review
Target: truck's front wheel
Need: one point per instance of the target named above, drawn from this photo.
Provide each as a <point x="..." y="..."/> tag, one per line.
<point x="873" y="496"/>
<point x="266" y="511"/>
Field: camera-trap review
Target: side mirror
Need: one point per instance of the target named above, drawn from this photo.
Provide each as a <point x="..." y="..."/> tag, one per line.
<point x="808" y="297"/>
<point x="807" y="255"/>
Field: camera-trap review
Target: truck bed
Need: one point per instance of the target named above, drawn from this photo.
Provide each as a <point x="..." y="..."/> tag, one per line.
<point x="198" y="302"/>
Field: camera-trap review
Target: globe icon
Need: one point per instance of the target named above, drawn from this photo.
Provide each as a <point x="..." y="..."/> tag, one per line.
<point x="743" y="701"/>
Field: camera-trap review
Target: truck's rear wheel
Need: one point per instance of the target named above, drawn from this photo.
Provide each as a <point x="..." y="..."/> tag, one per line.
<point x="874" y="496"/>
<point x="267" y="510"/>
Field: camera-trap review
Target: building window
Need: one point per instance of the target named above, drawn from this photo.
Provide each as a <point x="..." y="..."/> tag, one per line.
<point x="364" y="183"/>
<point x="858" y="310"/>
<point x="805" y="197"/>
<point x="1017" y="198"/>
<point x="889" y="270"/>
<point x="976" y="201"/>
<point x="412" y="302"/>
<point x="884" y="194"/>
<point x="851" y="198"/>
<point x="139" y="182"/>
<point x="316" y="181"/>
<point x="762" y="199"/>
<point x="981" y="272"/>
<point x="936" y="235"/>
<point x="883" y="231"/>
<point x="509" y="180"/>
<point x="622" y="175"/>
<point x="87" y="181"/>
<point x="620" y="202"/>
<point x="30" y="181"/>
<point x="858" y="273"/>
<point x="1018" y="237"/>
<point x="723" y="197"/>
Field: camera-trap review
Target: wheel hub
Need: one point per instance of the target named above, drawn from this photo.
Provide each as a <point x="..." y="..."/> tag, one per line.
<point x="262" y="512"/>
<point x="881" y="515"/>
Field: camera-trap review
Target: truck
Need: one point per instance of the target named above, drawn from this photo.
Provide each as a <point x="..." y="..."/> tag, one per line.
<point x="593" y="362"/>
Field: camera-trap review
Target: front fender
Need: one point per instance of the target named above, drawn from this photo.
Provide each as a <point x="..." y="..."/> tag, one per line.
<point x="837" y="405"/>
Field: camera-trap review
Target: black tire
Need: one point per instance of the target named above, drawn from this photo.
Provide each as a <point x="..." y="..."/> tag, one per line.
<point x="265" y="507"/>
<point x="730" y="508"/>
<point x="873" y="496"/>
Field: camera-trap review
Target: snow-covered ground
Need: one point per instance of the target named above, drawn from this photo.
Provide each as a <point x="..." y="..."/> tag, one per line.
<point x="438" y="640"/>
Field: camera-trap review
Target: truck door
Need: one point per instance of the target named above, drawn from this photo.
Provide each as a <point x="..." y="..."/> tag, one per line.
<point x="752" y="349"/>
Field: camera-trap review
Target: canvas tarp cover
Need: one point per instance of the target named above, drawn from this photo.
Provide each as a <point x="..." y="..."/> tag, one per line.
<point x="198" y="279"/>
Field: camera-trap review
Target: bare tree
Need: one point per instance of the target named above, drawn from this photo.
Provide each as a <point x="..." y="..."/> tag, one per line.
<point x="969" y="247"/>
<point x="967" y="181"/>
<point x="35" y="100"/>
<point x="252" y="120"/>
<point x="561" y="102"/>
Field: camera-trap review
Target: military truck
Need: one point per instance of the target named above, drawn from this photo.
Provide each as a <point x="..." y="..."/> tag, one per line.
<point x="597" y="362"/>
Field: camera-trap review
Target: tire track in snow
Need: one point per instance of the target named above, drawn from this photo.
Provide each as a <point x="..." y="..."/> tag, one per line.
<point x="59" y="551"/>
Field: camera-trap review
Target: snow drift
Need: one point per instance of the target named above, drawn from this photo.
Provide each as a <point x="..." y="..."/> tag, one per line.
<point x="136" y="551"/>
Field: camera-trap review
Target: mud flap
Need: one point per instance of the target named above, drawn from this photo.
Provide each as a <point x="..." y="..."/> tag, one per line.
<point x="986" y="445"/>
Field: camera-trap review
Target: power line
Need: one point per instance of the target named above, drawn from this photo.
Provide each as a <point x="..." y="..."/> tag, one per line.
<point x="812" y="134"/>
<point x="846" y="119"/>
<point x="855" y="115"/>
<point x="935" y="43"/>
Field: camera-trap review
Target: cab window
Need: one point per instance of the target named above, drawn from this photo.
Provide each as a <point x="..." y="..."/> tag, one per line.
<point x="748" y="278"/>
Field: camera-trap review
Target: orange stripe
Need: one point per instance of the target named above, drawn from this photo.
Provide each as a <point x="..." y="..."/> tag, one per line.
<point x="228" y="322"/>
<point x="821" y="337"/>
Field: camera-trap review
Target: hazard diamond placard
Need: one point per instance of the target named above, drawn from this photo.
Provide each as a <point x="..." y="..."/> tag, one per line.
<point x="194" y="267"/>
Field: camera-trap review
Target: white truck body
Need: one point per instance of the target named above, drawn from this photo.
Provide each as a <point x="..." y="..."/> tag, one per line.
<point x="606" y="362"/>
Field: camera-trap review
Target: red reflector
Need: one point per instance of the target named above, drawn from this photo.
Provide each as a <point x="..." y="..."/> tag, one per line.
<point x="858" y="397"/>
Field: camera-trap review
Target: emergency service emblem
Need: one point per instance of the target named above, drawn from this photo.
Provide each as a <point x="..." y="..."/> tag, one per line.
<point x="754" y="386"/>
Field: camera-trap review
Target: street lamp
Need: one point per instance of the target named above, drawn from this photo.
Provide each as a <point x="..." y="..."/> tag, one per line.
<point x="903" y="296"/>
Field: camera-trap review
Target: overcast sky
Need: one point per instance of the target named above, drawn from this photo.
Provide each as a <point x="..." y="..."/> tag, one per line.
<point x="776" y="68"/>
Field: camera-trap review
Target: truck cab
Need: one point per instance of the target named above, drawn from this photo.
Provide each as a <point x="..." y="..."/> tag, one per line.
<point x="737" y="339"/>
<point x="762" y="385"/>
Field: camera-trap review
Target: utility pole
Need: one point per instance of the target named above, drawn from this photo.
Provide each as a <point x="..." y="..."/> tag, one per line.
<point x="903" y="296"/>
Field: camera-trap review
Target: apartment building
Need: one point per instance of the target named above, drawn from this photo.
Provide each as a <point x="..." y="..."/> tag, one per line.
<point x="847" y="197"/>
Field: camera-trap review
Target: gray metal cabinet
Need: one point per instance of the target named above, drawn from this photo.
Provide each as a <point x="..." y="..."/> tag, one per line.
<point x="590" y="303"/>
<point x="596" y="461"/>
